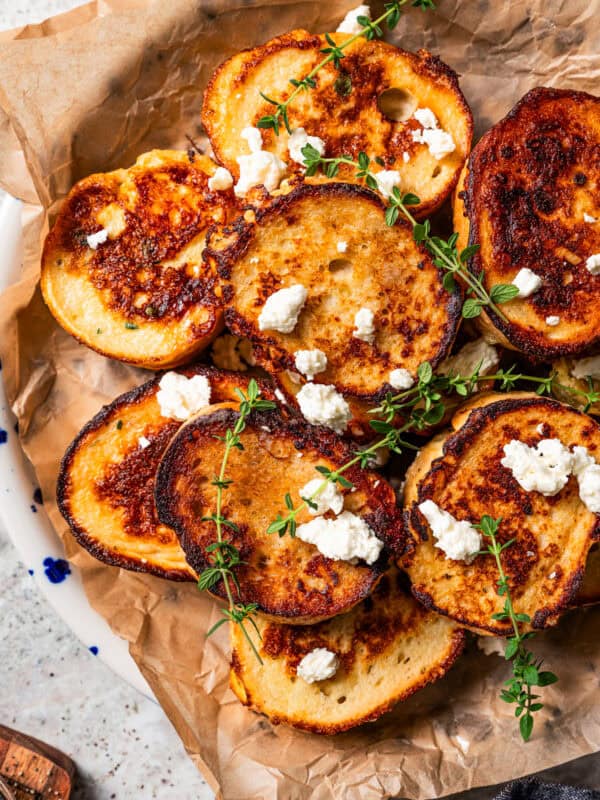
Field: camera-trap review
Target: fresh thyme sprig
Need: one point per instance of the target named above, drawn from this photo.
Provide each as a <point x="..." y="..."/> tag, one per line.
<point x="419" y="407"/>
<point x="223" y="555"/>
<point x="526" y="669"/>
<point x="334" y="53"/>
<point x="445" y="252"/>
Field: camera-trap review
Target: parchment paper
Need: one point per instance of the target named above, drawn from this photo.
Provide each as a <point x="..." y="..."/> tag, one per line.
<point x="89" y="91"/>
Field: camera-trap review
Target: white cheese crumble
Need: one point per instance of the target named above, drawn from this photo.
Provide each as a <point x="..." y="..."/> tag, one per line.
<point x="260" y="167"/>
<point x="321" y="404"/>
<point x="586" y="366"/>
<point x="280" y="396"/>
<point x="491" y="645"/>
<point x="587" y="472"/>
<point x="299" y="139"/>
<point x="143" y="442"/>
<point x="282" y="309"/>
<point x="458" y="539"/>
<point x="221" y="180"/>
<point x="94" y="239"/>
<point x="318" y="665"/>
<point x="350" y="23"/>
<point x="310" y="362"/>
<point x="342" y="246"/>
<point x="400" y="379"/>
<point x="474" y="354"/>
<point x="345" y="538"/>
<point x="592" y="264"/>
<point x="588" y="217"/>
<point x="180" y="397"/>
<point x="527" y="282"/>
<point x="544" y="468"/>
<point x="439" y="141"/>
<point x="387" y="180"/>
<point x="552" y="321"/>
<point x="405" y="157"/>
<point x="329" y="498"/>
<point x="364" y="325"/>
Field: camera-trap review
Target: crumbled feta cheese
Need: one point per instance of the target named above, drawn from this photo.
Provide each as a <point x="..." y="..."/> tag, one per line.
<point x="527" y="282"/>
<point x="474" y="354"/>
<point x="491" y="645"/>
<point x="544" y="468"/>
<point x="350" y="23"/>
<point x="364" y="325"/>
<point x="379" y="458"/>
<point x="552" y="321"/>
<point x="345" y="538"/>
<point x="586" y="366"/>
<point x="342" y="246"/>
<point x="260" y="167"/>
<point x="221" y="180"/>
<point x="280" y="396"/>
<point x="458" y="539"/>
<point x="553" y="576"/>
<point x="94" y="239"/>
<point x="387" y="180"/>
<point x="593" y="264"/>
<point x="282" y="309"/>
<point x="310" y="362"/>
<point x="231" y="352"/>
<point x="439" y="141"/>
<point x="589" y="218"/>
<point x="426" y="118"/>
<point x="329" y="498"/>
<point x="405" y="157"/>
<point x="400" y="379"/>
<point x="180" y="397"/>
<point x="540" y="429"/>
<point x="323" y="405"/>
<point x="299" y="139"/>
<point x="143" y="442"/>
<point x="587" y="472"/>
<point x="318" y="665"/>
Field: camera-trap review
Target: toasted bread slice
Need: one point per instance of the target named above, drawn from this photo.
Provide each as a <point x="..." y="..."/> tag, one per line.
<point x="286" y="577"/>
<point x="367" y="106"/>
<point x="106" y="480"/>
<point x="566" y="381"/>
<point x="294" y="241"/>
<point x="143" y="295"/>
<point x="529" y="182"/>
<point x="388" y="647"/>
<point x="461" y="471"/>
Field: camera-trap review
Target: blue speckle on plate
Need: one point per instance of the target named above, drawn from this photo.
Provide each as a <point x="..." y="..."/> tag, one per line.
<point x="3" y="436"/>
<point x="93" y="650"/>
<point x="56" y="569"/>
<point x="37" y="497"/>
<point x="30" y="571"/>
<point x="33" y="508"/>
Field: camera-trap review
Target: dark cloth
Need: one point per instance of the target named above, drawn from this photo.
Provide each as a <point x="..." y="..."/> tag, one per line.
<point x="534" y="789"/>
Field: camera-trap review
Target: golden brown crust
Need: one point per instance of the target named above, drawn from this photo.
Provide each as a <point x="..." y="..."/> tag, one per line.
<point x="348" y="123"/>
<point x="285" y="576"/>
<point x="530" y="179"/>
<point x="105" y="487"/>
<point x="461" y="472"/>
<point x="294" y="240"/>
<point x="144" y="295"/>
<point x="388" y="647"/>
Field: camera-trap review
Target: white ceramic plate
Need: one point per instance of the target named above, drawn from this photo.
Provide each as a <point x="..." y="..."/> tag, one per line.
<point x="22" y="510"/>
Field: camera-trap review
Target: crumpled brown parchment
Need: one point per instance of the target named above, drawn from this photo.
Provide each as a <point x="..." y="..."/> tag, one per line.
<point x="89" y="91"/>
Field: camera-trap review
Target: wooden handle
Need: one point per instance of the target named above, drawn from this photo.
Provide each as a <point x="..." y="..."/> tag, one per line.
<point x="32" y="770"/>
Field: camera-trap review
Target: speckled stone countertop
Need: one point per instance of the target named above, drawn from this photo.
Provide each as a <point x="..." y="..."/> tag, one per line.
<point x="52" y="687"/>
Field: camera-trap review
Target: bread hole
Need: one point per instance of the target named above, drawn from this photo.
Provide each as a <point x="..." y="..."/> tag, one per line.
<point x="340" y="265"/>
<point x="397" y="104"/>
<point x="436" y="171"/>
<point x="342" y="699"/>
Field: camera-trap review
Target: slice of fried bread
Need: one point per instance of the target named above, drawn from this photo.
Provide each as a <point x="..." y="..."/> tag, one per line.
<point x="294" y="241"/>
<point x="387" y="647"/>
<point x="573" y="378"/>
<point x="368" y="105"/>
<point x="286" y="577"/>
<point x="529" y="199"/>
<point x="461" y="472"/>
<point x="122" y="268"/>
<point x="106" y="480"/>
